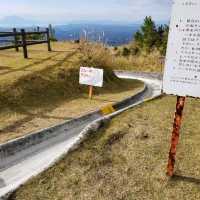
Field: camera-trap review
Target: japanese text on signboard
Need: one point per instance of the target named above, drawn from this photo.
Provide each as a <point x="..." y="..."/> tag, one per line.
<point x="182" y="70"/>
<point x="91" y="76"/>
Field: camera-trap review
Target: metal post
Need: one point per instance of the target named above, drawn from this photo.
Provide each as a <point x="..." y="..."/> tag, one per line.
<point x="15" y="39"/>
<point x="48" y="40"/>
<point x="24" y="43"/>
<point x="175" y="135"/>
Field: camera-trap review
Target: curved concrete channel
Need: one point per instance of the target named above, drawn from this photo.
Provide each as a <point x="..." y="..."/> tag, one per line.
<point x="28" y="156"/>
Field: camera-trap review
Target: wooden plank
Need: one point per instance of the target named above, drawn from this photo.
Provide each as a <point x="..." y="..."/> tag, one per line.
<point x="7" y="47"/>
<point x="15" y="39"/>
<point x="7" y="40"/>
<point x="24" y="43"/>
<point x="9" y="34"/>
<point x="48" y="40"/>
<point x="2" y="32"/>
<point x="23" y="33"/>
<point x="36" y="33"/>
<point x="28" y="43"/>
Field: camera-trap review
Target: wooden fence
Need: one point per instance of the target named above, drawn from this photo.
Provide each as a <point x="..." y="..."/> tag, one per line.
<point x="21" y="40"/>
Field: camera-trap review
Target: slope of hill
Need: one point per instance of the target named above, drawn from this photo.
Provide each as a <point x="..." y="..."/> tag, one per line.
<point x="127" y="160"/>
<point x="35" y="92"/>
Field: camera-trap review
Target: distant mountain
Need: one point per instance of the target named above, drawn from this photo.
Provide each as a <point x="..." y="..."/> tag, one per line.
<point x="111" y="34"/>
<point x="15" y="21"/>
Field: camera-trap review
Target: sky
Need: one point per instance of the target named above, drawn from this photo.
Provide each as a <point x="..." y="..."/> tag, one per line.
<point x="59" y="11"/>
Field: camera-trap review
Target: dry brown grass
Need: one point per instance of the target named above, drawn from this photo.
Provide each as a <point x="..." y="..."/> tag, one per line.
<point x="142" y="62"/>
<point x="31" y="89"/>
<point x="13" y="65"/>
<point x="127" y="160"/>
<point x="95" y="54"/>
<point x="18" y="122"/>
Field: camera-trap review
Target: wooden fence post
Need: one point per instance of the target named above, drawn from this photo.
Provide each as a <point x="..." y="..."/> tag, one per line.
<point x="48" y="40"/>
<point x="23" y="33"/>
<point x="15" y="39"/>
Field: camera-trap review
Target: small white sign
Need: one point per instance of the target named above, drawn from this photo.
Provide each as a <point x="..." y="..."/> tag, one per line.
<point x="182" y="67"/>
<point x="91" y="76"/>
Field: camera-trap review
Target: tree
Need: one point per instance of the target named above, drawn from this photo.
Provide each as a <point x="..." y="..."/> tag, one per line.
<point x="150" y="37"/>
<point x="147" y="36"/>
<point x="160" y="32"/>
<point x="165" y="34"/>
<point x="139" y="39"/>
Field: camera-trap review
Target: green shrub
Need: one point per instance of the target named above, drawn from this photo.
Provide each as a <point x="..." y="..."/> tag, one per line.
<point x="151" y="37"/>
<point x="115" y="48"/>
<point x="126" y="51"/>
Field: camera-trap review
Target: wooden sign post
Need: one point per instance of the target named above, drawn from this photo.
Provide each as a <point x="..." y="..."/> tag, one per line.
<point x="182" y="66"/>
<point x="92" y="77"/>
<point x="90" y="91"/>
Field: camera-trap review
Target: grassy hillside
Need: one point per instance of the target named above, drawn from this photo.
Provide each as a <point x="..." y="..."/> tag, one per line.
<point x="127" y="160"/>
<point x="33" y="88"/>
<point x="146" y="62"/>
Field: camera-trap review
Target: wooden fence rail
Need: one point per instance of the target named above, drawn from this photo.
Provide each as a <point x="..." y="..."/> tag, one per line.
<point x="23" y="41"/>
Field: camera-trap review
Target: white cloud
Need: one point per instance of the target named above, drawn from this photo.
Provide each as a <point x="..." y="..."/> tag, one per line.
<point x="127" y="10"/>
<point x="138" y="9"/>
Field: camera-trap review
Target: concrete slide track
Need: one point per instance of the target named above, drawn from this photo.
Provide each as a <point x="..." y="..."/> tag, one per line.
<point x="28" y="156"/>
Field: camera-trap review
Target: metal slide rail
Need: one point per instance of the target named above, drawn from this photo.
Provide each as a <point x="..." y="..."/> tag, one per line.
<point x="33" y="153"/>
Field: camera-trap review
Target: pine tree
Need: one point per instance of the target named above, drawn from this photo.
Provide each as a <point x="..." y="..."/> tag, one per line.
<point x="147" y="36"/>
<point x="165" y="34"/>
<point x="150" y="37"/>
<point x="139" y="39"/>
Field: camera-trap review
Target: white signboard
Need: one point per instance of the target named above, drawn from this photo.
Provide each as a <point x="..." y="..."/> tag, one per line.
<point x="182" y="67"/>
<point x="91" y="76"/>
